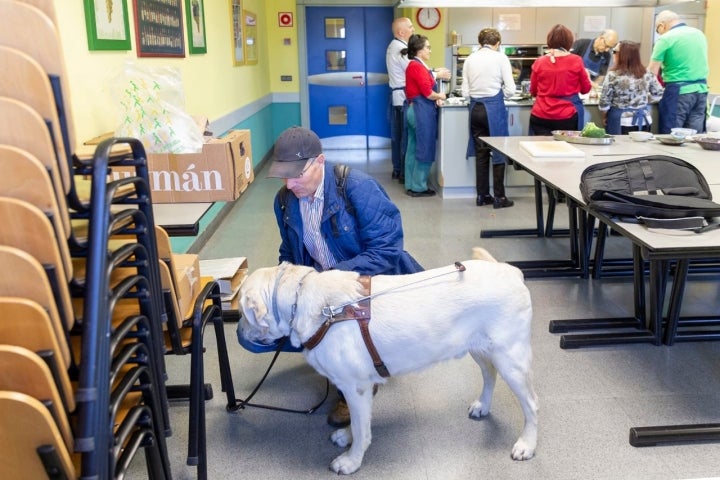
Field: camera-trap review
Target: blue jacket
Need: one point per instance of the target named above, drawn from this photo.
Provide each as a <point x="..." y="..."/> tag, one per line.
<point x="369" y="242"/>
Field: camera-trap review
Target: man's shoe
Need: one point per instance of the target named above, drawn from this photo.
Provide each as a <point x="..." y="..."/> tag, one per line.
<point x="484" y="200"/>
<point x="502" y="202"/>
<point x="395" y="175"/>
<point x="340" y="415"/>
<point x="401" y="179"/>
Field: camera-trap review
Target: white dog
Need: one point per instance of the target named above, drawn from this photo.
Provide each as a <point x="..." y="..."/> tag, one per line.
<point x="417" y="320"/>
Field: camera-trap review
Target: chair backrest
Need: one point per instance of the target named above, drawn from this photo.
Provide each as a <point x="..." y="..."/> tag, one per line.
<point x="47" y="7"/>
<point x="22" y="127"/>
<point x="27" y="28"/>
<point x="25" y="178"/>
<point x="713" y="121"/>
<point x="30" y="280"/>
<point x="25" y="80"/>
<point x="22" y="370"/>
<point x="26" y="425"/>
<point x="26" y="324"/>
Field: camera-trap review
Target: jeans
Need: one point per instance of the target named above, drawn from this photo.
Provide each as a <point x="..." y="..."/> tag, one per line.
<point x="691" y="111"/>
<point x="396" y="131"/>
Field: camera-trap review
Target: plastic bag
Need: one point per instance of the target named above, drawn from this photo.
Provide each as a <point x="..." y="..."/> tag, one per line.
<point x="151" y="106"/>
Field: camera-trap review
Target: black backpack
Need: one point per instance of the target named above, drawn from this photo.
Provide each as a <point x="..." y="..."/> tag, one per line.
<point x="658" y="190"/>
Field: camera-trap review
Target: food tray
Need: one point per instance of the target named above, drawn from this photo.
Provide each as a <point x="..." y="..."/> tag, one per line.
<point x="573" y="136"/>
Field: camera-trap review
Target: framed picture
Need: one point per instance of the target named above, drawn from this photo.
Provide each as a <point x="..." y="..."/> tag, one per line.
<point x="250" y="19"/>
<point x="107" y="25"/>
<point x="159" y="28"/>
<point x="237" y="26"/>
<point x="195" y="19"/>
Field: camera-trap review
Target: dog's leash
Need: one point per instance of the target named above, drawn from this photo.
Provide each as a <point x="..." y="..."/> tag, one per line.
<point x="329" y="310"/>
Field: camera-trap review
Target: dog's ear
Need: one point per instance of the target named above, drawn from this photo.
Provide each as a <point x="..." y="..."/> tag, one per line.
<point x="253" y="310"/>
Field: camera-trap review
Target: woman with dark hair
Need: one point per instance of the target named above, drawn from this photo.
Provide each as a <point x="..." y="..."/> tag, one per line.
<point x="627" y="90"/>
<point x="556" y="79"/>
<point x="421" y="117"/>
<point x="488" y="81"/>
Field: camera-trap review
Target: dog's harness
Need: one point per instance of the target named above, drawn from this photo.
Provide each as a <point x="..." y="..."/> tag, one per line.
<point x="359" y="312"/>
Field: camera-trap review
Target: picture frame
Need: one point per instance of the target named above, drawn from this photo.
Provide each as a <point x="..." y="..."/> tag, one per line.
<point x="250" y="41"/>
<point x="159" y="30"/>
<point x="237" y="27"/>
<point x="107" y="25"/>
<point x="195" y="20"/>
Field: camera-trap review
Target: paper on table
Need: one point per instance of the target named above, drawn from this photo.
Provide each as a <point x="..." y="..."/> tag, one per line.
<point x="551" y="149"/>
<point x="221" y="267"/>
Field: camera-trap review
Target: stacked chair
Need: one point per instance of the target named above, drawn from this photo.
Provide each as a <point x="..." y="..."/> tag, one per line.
<point x="87" y="305"/>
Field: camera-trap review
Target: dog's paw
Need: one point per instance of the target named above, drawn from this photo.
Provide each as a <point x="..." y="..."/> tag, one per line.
<point x="522" y="451"/>
<point x="478" y="410"/>
<point x="345" y="464"/>
<point x="342" y="437"/>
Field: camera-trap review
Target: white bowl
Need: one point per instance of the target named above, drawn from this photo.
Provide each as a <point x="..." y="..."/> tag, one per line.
<point x="640" y="136"/>
<point x="682" y="132"/>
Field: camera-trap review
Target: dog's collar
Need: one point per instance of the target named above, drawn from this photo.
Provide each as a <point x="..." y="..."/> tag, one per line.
<point x="293" y="308"/>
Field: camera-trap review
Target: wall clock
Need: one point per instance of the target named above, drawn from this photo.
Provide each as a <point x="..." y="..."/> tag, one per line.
<point x="428" y="18"/>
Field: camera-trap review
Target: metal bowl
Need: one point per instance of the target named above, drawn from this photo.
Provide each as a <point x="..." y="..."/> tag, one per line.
<point x="708" y="143"/>
<point x="669" y="140"/>
<point x="574" y="136"/>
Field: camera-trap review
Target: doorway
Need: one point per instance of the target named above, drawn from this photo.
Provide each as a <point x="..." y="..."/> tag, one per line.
<point x="348" y="93"/>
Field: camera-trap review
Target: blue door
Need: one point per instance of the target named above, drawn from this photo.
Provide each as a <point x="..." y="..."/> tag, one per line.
<point x="347" y="77"/>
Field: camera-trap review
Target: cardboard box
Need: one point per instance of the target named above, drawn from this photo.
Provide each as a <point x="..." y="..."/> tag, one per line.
<point x="221" y="172"/>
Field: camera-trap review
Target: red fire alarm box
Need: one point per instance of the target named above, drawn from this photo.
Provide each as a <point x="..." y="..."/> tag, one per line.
<point x="285" y="19"/>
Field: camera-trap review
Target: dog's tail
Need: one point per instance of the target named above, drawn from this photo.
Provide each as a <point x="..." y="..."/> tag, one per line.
<point x="479" y="253"/>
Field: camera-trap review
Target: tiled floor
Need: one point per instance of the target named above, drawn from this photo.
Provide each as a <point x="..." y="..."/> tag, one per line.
<point x="589" y="398"/>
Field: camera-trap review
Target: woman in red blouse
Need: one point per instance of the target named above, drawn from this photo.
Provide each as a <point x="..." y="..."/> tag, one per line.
<point x="420" y="117"/>
<point x="556" y="79"/>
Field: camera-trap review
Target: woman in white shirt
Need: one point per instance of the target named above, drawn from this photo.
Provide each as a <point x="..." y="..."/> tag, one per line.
<point x="487" y="81"/>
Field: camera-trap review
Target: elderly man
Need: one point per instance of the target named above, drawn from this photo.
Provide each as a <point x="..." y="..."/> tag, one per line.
<point x="330" y="220"/>
<point x="681" y="51"/>
<point x="596" y="53"/>
<point x="396" y="63"/>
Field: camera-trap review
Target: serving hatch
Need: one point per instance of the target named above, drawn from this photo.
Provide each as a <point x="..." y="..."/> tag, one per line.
<point x="573" y="136"/>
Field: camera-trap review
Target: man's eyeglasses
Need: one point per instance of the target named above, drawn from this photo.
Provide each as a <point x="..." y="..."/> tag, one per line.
<point x="307" y="167"/>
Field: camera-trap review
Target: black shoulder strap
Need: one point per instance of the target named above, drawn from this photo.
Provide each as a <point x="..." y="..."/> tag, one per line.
<point x="341" y="174"/>
<point x="283" y="195"/>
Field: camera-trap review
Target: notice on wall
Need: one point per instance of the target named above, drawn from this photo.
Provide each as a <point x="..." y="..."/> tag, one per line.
<point x="594" y="23"/>
<point x="509" y="21"/>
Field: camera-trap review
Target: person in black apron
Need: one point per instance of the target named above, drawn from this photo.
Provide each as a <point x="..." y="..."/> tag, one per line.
<point x="684" y="103"/>
<point x="596" y="53"/>
<point x="487" y="80"/>
<point x="396" y="63"/>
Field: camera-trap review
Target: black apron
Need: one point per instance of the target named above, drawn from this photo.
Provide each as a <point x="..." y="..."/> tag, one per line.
<point x="497" y="123"/>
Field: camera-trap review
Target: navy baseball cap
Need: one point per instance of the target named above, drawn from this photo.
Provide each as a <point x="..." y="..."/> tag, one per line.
<point x="292" y="150"/>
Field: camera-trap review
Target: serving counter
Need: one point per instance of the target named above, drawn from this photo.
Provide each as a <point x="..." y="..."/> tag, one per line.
<point x="453" y="175"/>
